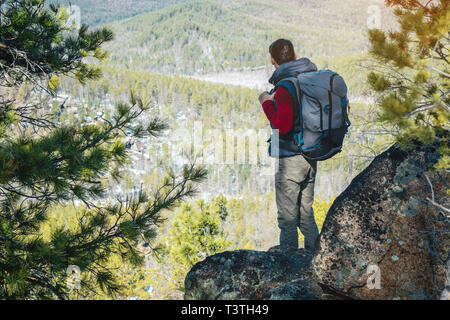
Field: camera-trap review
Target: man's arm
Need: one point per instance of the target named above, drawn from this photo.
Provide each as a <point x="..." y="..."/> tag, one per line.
<point x="281" y="117"/>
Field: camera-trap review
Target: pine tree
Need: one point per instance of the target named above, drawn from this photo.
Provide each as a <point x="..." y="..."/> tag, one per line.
<point x="44" y="163"/>
<point x="196" y="232"/>
<point x="413" y="74"/>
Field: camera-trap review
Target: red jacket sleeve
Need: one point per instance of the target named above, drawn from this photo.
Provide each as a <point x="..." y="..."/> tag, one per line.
<point x="281" y="117"/>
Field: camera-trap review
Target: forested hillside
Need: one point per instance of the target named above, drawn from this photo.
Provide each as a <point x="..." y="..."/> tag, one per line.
<point x="205" y="36"/>
<point x="98" y="12"/>
<point x="174" y="40"/>
<point x="187" y="102"/>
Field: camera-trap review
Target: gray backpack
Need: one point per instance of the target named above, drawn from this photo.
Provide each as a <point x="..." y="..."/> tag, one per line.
<point x="321" y="119"/>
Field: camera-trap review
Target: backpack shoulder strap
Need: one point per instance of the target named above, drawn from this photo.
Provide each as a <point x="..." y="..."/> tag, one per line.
<point x="293" y="86"/>
<point x="330" y="99"/>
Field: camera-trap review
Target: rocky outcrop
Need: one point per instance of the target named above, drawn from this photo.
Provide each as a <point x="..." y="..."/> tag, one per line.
<point x="385" y="237"/>
<point x="253" y="275"/>
<point x="384" y="220"/>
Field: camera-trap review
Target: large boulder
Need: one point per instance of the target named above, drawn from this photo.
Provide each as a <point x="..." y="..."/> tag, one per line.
<point x="384" y="220"/>
<point x="251" y="275"/>
<point x="391" y="224"/>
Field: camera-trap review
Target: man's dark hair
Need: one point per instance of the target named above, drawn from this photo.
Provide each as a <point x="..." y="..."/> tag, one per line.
<point x="282" y="51"/>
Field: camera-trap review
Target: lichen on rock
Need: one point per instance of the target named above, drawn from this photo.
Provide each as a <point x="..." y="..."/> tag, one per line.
<point x="246" y="274"/>
<point x="389" y="230"/>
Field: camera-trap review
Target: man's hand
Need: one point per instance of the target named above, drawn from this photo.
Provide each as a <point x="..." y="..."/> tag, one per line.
<point x="266" y="96"/>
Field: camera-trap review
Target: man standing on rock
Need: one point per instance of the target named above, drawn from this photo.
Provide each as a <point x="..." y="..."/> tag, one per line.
<point x="294" y="180"/>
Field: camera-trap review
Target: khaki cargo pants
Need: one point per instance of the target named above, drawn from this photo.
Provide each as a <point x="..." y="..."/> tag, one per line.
<point x="294" y="185"/>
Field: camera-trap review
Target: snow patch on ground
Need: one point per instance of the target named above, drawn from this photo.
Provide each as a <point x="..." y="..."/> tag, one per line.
<point x="254" y="79"/>
<point x="258" y="79"/>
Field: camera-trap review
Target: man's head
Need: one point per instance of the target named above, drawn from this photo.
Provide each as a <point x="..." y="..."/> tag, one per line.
<point x="282" y="51"/>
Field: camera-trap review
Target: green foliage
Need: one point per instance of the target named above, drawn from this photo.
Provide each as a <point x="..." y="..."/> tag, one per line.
<point x="36" y="42"/>
<point x="196" y="231"/>
<point x="130" y="279"/>
<point x="44" y="163"/>
<point x="413" y="77"/>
